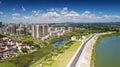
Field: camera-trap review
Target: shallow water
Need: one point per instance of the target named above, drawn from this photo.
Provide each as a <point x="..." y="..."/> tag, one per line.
<point x="58" y="42"/>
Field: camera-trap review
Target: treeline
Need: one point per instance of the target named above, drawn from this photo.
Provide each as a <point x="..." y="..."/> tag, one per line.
<point x="2" y="35"/>
<point x="98" y="27"/>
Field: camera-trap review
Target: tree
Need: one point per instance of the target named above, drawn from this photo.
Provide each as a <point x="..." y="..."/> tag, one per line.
<point x="29" y="42"/>
<point x="37" y="46"/>
<point x="1" y="36"/>
<point x="24" y="50"/>
<point x="16" y="50"/>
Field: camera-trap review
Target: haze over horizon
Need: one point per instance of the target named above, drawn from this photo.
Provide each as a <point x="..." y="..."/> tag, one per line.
<point x="59" y="11"/>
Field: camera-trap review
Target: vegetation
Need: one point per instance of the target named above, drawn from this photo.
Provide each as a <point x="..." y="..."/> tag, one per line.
<point x="27" y="59"/>
<point x="61" y="56"/>
<point x="49" y="55"/>
<point x="16" y="50"/>
<point x="24" y="50"/>
<point x="6" y="64"/>
<point x="63" y="59"/>
<point x="1" y="35"/>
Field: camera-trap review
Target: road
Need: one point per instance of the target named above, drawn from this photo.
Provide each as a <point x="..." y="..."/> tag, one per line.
<point x="75" y="60"/>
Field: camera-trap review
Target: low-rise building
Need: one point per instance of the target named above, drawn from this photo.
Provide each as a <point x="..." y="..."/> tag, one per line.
<point x="73" y="38"/>
<point x="7" y="46"/>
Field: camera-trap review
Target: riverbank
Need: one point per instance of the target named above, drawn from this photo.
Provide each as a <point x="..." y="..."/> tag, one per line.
<point x="62" y="59"/>
<point x="97" y="41"/>
<point x="84" y="58"/>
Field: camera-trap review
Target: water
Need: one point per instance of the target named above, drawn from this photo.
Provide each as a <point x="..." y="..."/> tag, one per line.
<point x="58" y="42"/>
<point x="108" y="52"/>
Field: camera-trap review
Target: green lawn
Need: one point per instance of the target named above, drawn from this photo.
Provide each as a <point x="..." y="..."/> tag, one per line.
<point x="62" y="59"/>
<point x="6" y="64"/>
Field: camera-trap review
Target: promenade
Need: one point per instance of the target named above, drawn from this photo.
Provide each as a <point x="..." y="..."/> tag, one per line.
<point x="82" y="56"/>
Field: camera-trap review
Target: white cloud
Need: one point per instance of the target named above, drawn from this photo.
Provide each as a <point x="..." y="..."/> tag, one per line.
<point x="88" y="15"/>
<point x="57" y="15"/>
<point x="72" y="13"/>
<point x="50" y="14"/>
<point x="54" y="9"/>
<point x="23" y="8"/>
<point x="27" y="17"/>
<point x="1" y="13"/>
<point x="36" y="12"/>
<point x="16" y="15"/>
<point x="64" y="11"/>
<point x="87" y="12"/>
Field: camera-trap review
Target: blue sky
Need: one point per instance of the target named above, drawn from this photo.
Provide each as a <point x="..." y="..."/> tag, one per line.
<point x="56" y="11"/>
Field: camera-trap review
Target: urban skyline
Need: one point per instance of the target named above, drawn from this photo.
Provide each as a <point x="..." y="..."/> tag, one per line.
<point x="58" y="11"/>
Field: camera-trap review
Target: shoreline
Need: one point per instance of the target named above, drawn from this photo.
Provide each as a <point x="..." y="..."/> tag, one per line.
<point x="86" y="53"/>
<point x="85" y="58"/>
<point x="92" y="61"/>
<point x="82" y="61"/>
<point x="70" y="62"/>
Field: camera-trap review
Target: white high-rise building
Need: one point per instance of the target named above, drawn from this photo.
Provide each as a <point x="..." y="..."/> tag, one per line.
<point x="40" y="30"/>
<point x="44" y="31"/>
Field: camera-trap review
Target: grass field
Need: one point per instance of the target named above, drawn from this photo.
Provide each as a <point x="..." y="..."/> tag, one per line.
<point x="6" y="64"/>
<point x="62" y="59"/>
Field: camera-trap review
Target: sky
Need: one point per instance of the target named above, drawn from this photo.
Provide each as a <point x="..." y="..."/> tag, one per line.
<point x="59" y="11"/>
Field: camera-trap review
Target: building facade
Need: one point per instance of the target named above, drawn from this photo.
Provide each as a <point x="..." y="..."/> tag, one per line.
<point x="44" y="31"/>
<point x="40" y="30"/>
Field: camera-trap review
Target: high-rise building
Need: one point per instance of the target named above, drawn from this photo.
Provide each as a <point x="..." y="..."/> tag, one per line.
<point x="44" y="31"/>
<point x="11" y="29"/>
<point x="0" y="24"/>
<point x="40" y="30"/>
<point x="20" y="31"/>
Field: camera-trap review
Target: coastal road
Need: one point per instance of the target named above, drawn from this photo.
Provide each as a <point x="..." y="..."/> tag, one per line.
<point x="75" y="60"/>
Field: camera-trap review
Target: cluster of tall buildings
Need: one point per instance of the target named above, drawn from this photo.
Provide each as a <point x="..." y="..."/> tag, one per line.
<point x="0" y="24"/>
<point x="1" y="27"/>
<point x="15" y="29"/>
<point x="44" y="31"/>
<point x="37" y="31"/>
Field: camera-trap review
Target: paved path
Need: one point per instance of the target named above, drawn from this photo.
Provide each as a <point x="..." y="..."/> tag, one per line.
<point x="74" y="61"/>
<point x="82" y="57"/>
<point x="79" y="53"/>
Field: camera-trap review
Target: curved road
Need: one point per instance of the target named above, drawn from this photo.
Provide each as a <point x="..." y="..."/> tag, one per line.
<point x="73" y="64"/>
